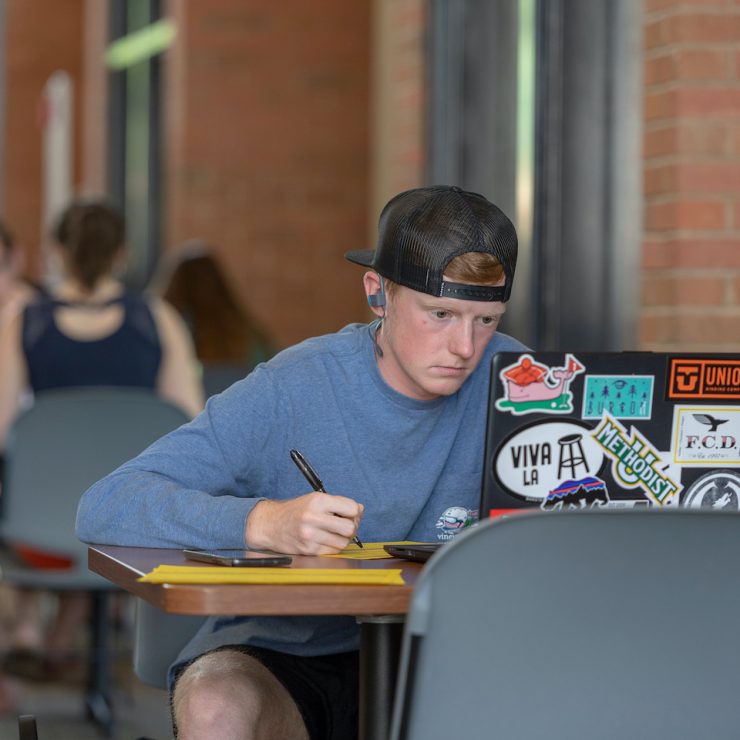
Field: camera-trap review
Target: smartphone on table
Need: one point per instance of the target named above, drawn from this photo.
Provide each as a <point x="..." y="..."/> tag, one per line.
<point x="238" y="558"/>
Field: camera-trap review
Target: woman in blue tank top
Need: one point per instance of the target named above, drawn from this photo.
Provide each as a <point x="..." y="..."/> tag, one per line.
<point x="87" y="330"/>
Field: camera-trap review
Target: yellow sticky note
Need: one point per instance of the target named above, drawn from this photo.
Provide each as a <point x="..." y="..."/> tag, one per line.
<point x="184" y="574"/>
<point x="368" y="551"/>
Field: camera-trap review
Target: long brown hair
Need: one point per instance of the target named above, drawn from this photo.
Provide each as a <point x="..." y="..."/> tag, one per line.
<point x="7" y="243"/>
<point x="91" y="234"/>
<point x="222" y="331"/>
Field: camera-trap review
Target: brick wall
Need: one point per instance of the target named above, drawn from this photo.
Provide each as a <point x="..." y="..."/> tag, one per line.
<point x="267" y="131"/>
<point x="398" y="161"/>
<point x="691" y="255"/>
<point x="38" y="41"/>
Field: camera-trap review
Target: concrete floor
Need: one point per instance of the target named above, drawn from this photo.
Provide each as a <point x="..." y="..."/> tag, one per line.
<point x="139" y="710"/>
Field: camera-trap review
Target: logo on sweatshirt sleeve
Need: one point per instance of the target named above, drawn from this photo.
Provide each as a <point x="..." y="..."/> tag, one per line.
<point x="453" y="520"/>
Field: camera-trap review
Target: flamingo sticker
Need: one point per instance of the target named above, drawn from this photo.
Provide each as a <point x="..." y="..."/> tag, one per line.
<point x="533" y="387"/>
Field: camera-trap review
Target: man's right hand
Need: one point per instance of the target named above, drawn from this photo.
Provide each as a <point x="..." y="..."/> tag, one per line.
<point x="313" y="524"/>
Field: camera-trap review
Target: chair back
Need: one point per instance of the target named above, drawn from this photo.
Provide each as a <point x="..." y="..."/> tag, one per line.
<point x="158" y="639"/>
<point x="599" y="625"/>
<point x="217" y="377"/>
<point x="61" y="445"/>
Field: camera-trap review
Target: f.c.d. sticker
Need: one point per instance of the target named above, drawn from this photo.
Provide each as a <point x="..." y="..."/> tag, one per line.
<point x="706" y="435"/>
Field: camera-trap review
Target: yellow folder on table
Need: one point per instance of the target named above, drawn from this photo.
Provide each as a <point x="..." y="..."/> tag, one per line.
<point x="183" y="574"/>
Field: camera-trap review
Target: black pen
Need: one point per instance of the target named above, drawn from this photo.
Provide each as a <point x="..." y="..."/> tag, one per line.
<point x="313" y="480"/>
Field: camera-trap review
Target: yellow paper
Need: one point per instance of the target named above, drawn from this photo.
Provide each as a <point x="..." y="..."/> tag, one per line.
<point x="368" y="551"/>
<point x="218" y="574"/>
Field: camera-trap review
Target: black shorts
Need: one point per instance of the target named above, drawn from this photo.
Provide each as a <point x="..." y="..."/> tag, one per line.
<point x="325" y="688"/>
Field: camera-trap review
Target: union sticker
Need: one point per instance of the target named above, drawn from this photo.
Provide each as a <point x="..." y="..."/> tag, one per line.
<point x="704" y="378"/>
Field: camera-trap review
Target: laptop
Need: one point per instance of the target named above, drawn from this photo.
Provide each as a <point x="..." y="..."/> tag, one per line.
<point x="577" y="430"/>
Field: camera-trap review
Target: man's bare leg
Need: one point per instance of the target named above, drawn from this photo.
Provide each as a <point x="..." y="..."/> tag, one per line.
<point x="231" y="696"/>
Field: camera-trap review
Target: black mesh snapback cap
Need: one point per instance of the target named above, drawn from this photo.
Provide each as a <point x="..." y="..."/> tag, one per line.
<point x="420" y="231"/>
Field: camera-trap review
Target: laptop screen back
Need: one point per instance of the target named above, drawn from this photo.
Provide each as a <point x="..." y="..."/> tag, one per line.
<point x="577" y="430"/>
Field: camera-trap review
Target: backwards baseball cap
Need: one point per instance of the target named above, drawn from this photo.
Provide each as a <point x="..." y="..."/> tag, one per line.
<point x="422" y="230"/>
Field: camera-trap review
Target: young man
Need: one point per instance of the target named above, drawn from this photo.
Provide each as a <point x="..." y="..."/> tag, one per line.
<point x="392" y="414"/>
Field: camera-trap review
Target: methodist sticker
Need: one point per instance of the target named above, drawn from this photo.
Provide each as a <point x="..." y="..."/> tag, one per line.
<point x="697" y="378"/>
<point x="706" y="435"/>
<point x="635" y="462"/>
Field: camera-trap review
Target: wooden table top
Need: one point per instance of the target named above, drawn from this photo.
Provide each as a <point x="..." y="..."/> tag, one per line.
<point x="124" y="565"/>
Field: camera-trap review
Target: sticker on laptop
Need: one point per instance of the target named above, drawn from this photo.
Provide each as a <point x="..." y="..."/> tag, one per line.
<point x="623" y="396"/>
<point x="532" y="387"/>
<point x="706" y="435"/>
<point x="709" y="378"/>
<point x="589" y="493"/>
<point x="718" y="490"/>
<point x="535" y="460"/>
<point x="583" y="493"/>
<point x="636" y="464"/>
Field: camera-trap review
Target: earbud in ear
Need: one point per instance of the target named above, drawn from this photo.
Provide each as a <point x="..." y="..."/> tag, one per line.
<point x="377" y="300"/>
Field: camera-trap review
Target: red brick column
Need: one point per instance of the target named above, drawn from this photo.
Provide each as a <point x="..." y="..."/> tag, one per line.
<point x="691" y="254"/>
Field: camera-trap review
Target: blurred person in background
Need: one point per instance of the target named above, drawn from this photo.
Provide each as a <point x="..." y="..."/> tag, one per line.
<point x="14" y="289"/>
<point x="223" y="333"/>
<point x="86" y="330"/>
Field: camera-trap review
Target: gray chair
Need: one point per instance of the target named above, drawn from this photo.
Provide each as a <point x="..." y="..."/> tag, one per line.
<point x="55" y="450"/>
<point x="217" y="377"/>
<point x="599" y="625"/>
<point x="158" y="639"/>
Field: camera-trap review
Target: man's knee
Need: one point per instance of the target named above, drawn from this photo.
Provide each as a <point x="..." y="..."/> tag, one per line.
<point x="220" y="684"/>
<point x="228" y="692"/>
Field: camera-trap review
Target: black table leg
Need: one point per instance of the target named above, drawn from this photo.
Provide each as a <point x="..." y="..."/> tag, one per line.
<point x="380" y="648"/>
<point x="97" y="694"/>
